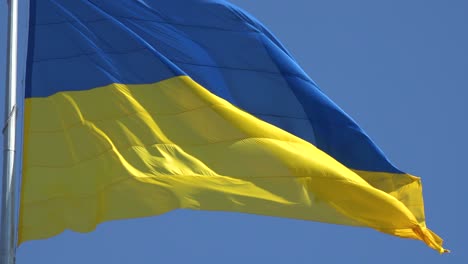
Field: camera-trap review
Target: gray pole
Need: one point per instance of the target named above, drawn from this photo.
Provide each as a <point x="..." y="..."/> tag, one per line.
<point x="8" y="220"/>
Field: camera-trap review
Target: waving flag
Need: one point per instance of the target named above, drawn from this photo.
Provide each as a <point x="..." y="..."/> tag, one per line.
<point x="137" y="108"/>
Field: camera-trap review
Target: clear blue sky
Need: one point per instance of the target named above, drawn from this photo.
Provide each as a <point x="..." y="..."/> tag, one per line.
<point x="400" y="68"/>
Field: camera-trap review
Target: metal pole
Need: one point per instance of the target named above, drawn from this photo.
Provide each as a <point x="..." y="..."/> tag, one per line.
<point x="8" y="213"/>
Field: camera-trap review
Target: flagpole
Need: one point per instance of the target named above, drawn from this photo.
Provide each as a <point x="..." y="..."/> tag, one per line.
<point x="8" y="199"/>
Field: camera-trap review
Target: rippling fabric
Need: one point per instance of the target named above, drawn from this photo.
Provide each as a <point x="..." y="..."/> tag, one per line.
<point x="136" y="108"/>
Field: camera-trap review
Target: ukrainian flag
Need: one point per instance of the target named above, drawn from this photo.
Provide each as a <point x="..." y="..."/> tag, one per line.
<point x="137" y="108"/>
